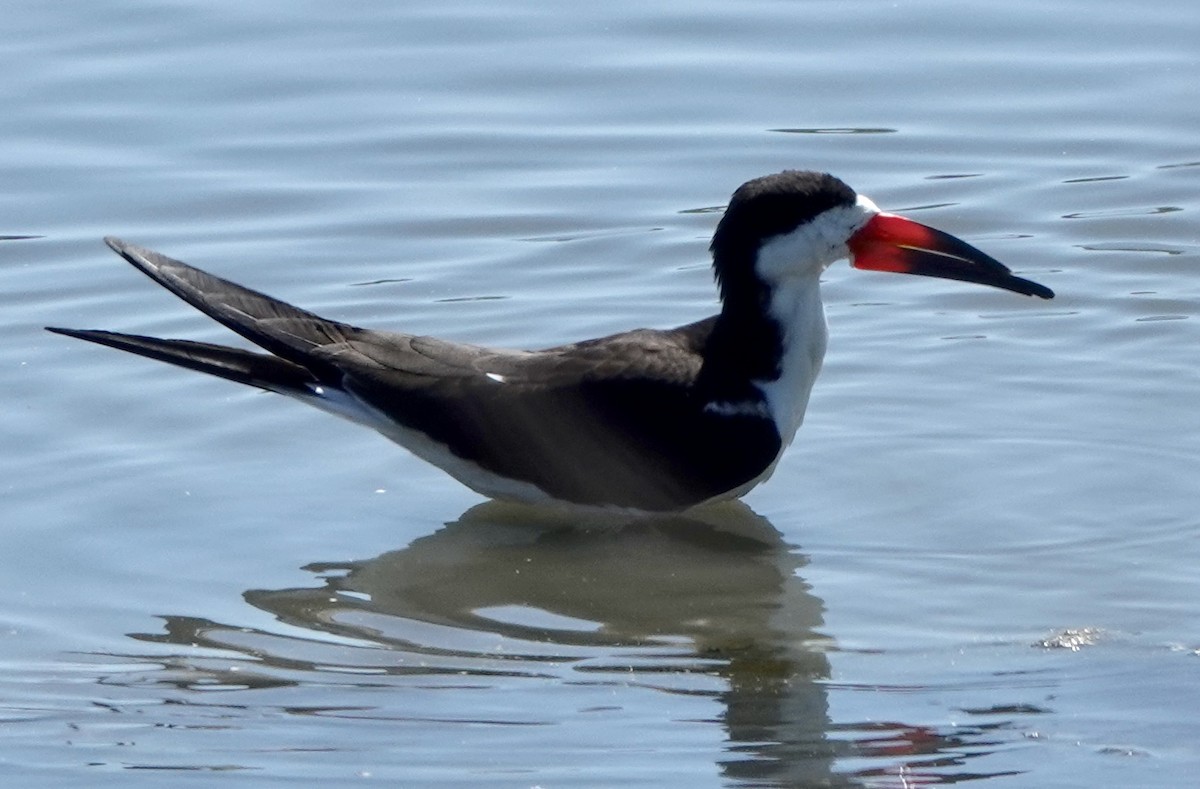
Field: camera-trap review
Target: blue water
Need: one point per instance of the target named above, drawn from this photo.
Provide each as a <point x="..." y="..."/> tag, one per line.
<point x="977" y="562"/>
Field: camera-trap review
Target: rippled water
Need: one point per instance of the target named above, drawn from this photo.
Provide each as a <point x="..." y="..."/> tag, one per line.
<point x="978" y="561"/>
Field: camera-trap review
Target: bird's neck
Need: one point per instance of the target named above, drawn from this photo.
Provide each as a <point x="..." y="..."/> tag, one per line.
<point x="796" y="306"/>
<point x="765" y="351"/>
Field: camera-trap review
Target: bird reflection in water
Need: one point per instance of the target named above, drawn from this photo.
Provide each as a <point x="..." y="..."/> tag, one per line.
<point x="709" y="602"/>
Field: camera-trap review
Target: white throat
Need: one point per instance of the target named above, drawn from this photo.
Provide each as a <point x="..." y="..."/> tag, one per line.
<point x="791" y="265"/>
<point x="796" y="307"/>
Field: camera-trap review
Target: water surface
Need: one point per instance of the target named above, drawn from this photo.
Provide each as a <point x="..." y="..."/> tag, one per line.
<point x="977" y="562"/>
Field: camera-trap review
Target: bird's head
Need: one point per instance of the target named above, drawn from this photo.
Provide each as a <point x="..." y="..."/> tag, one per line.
<point x="796" y="223"/>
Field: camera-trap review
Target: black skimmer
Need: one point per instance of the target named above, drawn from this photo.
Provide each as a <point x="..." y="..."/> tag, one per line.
<point x="649" y="419"/>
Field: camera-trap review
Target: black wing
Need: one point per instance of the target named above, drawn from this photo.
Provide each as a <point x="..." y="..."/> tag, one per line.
<point x="611" y="420"/>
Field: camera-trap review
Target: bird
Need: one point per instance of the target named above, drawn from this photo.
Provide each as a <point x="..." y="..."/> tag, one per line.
<point x="647" y="420"/>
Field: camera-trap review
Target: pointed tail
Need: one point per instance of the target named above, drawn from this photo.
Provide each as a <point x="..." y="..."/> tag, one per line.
<point x="234" y="364"/>
<point x="275" y="326"/>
